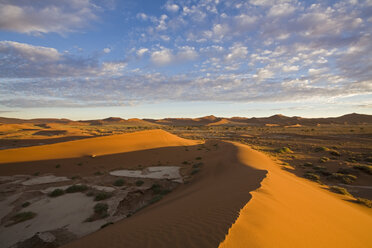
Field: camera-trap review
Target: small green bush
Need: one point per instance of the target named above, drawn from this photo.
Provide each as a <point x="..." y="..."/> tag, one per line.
<point x="334" y="153"/>
<point x="26" y="204"/>
<point x="365" y="202"/>
<point x="284" y="150"/>
<point x="102" y="196"/>
<point x="56" y="193"/>
<point x="119" y="182"/>
<point x="22" y="216"/>
<point x="76" y="188"/>
<point x="308" y="164"/>
<point x="139" y="182"/>
<point x="323" y="159"/>
<point x="344" y="178"/>
<point x="198" y="158"/>
<point x="321" y="149"/>
<point x="100" y="208"/>
<point x="194" y="171"/>
<point x="365" y="168"/>
<point x="339" y="190"/>
<point x="58" y="166"/>
<point x="312" y="176"/>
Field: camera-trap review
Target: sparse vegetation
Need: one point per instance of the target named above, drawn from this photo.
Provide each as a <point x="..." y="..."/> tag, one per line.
<point x="76" y="188"/>
<point x="312" y="177"/>
<point x="343" y="178"/>
<point x="102" y="196"/>
<point x="56" y="193"/>
<point x="198" y="158"/>
<point x="339" y="190"/>
<point x="365" y="202"/>
<point x="58" y="166"/>
<point x="26" y="204"/>
<point x="158" y="189"/>
<point x="321" y="149"/>
<point x="139" y="182"/>
<point x="365" y="168"/>
<point x="334" y="153"/>
<point x="101" y="208"/>
<point x="323" y="159"/>
<point x="119" y="182"/>
<point x="194" y="171"/>
<point x="98" y="173"/>
<point x="21" y="217"/>
<point x="308" y="164"/>
<point x="284" y="150"/>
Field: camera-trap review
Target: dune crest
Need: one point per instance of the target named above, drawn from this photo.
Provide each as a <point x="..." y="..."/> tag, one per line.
<point x="96" y="146"/>
<point x="288" y="211"/>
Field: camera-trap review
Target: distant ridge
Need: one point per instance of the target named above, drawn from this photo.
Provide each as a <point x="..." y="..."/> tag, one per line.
<point x="211" y="120"/>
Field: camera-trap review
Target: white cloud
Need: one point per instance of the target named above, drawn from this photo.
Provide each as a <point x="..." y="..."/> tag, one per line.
<point x="106" y="50"/>
<point x="142" y="51"/>
<point x="142" y="16"/>
<point x="187" y="53"/>
<point x="172" y="7"/>
<point x="162" y="57"/>
<point x="238" y="51"/>
<point x="281" y="10"/>
<point x="29" y="52"/>
<point x="291" y="68"/>
<point x="46" y="16"/>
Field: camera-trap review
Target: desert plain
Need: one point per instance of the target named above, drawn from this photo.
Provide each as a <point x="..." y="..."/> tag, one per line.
<point x="186" y="182"/>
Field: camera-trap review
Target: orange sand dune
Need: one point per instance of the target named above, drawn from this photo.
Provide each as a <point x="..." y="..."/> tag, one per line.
<point x="95" y="146"/>
<point x="288" y="211"/>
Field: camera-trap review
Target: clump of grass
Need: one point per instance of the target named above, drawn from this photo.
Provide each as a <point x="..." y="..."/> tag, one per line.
<point x="323" y="159"/>
<point x="76" y="188"/>
<point x="185" y="162"/>
<point x="312" y="177"/>
<point x="321" y="149"/>
<point x="339" y="190"/>
<point x="158" y="189"/>
<point x="198" y="158"/>
<point x="58" y="166"/>
<point x="26" y="204"/>
<point x="119" y="182"/>
<point x="365" y="202"/>
<point x="308" y="164"/>
<point x="98" y="173"/>
<point x="80" y="164"/>
<point x="334" y="153"/>
<point x="22" y="216"/>
<point x="102" y="196"/>
<point x="155" y="199"/>
<point x="107" y="224"/>
<point x="284" y="150"/>
<point x="197" y="165"/>
<point x="194" y="171"/>
<point x="139" y="182"/>
<point x="344" y="178"/>
<point x="100" y="208"/>
<point x="365" y="168"/>
<point x="56" y="193"/>
<point x="319" y="168"/>
<point x="75" y="177"/>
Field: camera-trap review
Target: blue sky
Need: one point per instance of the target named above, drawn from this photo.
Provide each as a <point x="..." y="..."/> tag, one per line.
<point x="85" y="59"/>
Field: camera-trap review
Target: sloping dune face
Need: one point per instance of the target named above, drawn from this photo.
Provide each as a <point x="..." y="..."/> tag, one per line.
<point x="95" y="146"/>
<point x="288" y="211"/>
<point x="197" y="214"/>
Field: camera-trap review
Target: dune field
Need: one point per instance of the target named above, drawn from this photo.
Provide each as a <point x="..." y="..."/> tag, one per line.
<point x="226" y="195"/>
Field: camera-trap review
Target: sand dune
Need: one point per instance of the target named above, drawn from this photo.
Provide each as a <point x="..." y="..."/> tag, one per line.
<point x="197" y="214"/>
<point x="288" y="211"/>
<point x="95" y="146"/>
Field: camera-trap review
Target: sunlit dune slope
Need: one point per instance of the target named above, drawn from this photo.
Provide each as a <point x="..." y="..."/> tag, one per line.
<point x="95" y="146"/>
<point x="288" y="211"/>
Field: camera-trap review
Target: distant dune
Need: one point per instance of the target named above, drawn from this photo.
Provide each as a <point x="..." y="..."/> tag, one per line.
<point x="210" y="120"/>
<point x="94" y="146"/>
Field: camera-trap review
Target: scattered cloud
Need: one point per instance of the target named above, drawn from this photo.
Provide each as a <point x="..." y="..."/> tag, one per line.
<point x="41" y="17"/>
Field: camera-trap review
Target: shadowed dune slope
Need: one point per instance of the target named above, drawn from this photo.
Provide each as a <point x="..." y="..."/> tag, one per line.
<point x="288" y="211"/>
<point x="197" y="214"/>
<point x="95" y="146"/>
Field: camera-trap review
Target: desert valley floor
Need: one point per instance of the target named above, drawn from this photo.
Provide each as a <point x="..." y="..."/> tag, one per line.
<point x="207" y="182"/>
